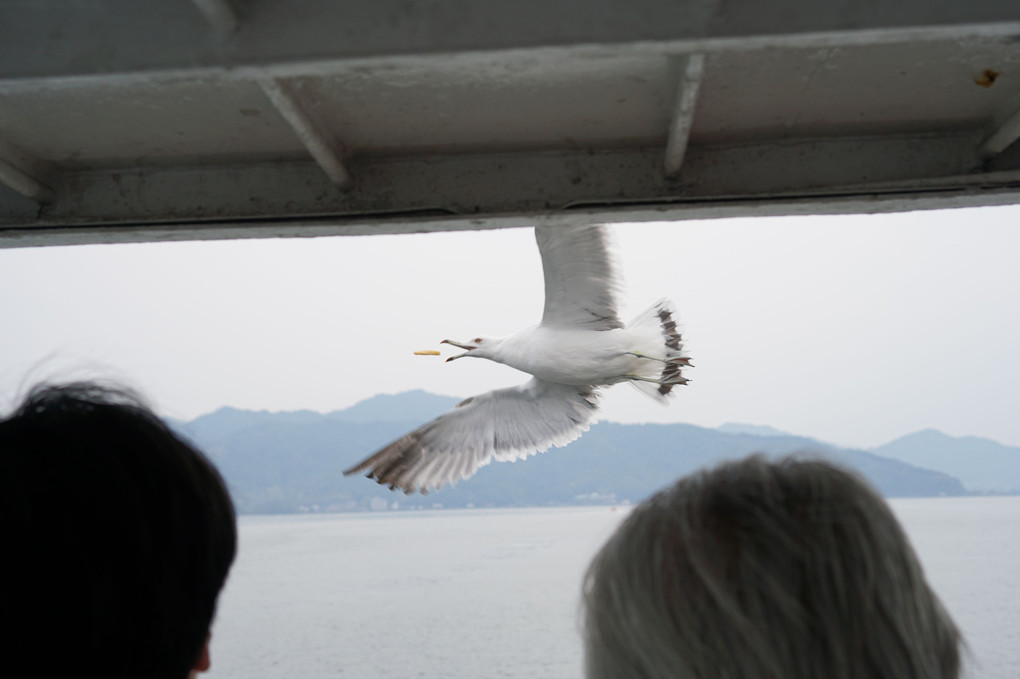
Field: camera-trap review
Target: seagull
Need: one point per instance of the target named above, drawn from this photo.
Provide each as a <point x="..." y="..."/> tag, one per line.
<point x="580" y="347"/>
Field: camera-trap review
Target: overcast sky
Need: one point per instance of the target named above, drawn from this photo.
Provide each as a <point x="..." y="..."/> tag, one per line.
<point x="854" y="330"/>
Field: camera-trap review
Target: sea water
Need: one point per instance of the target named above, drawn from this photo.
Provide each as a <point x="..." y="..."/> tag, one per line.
<point x="468" y="594"/>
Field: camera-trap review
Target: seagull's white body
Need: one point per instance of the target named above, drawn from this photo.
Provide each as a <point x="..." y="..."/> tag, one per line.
<point x="579" y="347"/>
<point x="577" y="357"/>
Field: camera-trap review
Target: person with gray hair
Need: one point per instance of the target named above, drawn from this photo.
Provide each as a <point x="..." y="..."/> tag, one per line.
<point x="792" y="569"/>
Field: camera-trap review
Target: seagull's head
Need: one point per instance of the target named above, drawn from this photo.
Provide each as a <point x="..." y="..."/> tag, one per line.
<point x="479" y="347"/>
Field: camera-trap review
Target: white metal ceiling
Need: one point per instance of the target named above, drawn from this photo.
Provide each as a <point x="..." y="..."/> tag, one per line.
<point x="169" y="119"/>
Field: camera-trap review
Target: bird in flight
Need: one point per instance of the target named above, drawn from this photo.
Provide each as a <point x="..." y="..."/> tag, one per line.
<point x="580" y="347"/>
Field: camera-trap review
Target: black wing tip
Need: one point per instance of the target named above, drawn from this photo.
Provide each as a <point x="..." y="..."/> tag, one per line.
<point x="671" y="373"/>
<point x="395" y="484"/>
<point x="399" y="465"/>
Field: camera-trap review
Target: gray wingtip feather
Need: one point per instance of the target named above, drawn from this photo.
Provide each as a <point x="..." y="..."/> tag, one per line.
<point x="413" y="464"/>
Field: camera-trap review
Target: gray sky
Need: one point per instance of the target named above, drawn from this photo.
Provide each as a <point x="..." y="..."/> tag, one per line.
<point x="854" y="330"/>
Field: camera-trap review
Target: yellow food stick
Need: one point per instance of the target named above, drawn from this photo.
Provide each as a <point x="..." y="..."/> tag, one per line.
<point x="427" y="352"/>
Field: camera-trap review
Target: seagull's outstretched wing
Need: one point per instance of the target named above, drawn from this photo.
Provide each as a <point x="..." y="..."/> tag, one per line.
<point x="505" y="424"/>
<point x="581" y="280"/>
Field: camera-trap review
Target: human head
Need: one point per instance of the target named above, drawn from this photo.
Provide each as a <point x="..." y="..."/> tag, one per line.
<point x="755" y="569"/>
<point x="117" y="537"/>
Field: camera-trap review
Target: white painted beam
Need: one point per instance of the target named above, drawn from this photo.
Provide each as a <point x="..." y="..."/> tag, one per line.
<point x="939" y="198"/>
<point x="219" y="13"/>
<point x="1003" y="137"/>
<point x="16" y="175"/>
<point x="252" y="58"/>
<point x="683" y="113"/>
<point x="44" y="38"/>
<point x="319" y="144"/>
<point x="483" y="185"/>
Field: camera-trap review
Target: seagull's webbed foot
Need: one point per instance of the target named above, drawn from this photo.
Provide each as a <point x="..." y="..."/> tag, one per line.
<point x="640" y="355"/>
<point x="663" y="382"/>
<point x="639" y="378"/>
<point x="677" y="360"/>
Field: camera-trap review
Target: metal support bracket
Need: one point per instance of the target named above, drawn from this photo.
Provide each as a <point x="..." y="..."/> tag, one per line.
<point x="16" y="174"/>
<point x="317" y="143"/>
<point x="221" y="14"/>
<point x="683" y="113"/>
<point x="999" y="140"/>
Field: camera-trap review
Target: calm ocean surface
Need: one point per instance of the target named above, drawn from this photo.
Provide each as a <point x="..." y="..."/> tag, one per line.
<point x="494" y="593"/>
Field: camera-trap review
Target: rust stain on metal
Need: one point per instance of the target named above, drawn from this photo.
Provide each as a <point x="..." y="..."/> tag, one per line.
<point x="987" y="78"/>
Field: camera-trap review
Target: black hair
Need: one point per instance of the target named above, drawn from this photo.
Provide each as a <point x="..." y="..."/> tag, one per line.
<point x="117" y="537"/>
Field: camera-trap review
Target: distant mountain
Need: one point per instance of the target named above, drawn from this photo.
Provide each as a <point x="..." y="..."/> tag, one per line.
<point x="226" y="421"/>
<point x="755" y="429"/>
<point x="289" y="462"/>
<point x="410" y="406"/>
<point x="981" y="464"/>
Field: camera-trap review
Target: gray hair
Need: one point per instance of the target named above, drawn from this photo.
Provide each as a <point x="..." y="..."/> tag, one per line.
<point x="754" y="569"/>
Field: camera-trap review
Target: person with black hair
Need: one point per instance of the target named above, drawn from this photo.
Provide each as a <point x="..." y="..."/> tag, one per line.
<point x="117" y="538"/>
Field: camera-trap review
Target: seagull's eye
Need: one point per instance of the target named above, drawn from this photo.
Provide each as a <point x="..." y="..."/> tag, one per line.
<point x="477" y="340"/>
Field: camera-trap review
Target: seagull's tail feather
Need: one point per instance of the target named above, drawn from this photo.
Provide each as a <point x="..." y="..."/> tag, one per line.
<point x="658" y="339"/>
